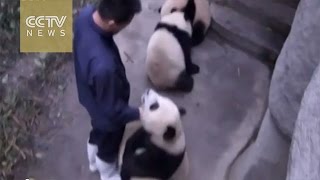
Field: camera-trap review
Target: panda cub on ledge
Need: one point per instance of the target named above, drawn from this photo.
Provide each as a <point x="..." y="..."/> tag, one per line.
<point x="157" y="149"/>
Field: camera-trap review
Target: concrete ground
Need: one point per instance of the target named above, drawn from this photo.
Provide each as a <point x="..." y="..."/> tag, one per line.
<point x="223" y="110"/>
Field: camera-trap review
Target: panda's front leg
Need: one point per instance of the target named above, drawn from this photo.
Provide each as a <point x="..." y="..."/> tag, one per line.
<point x="191" y="68"/>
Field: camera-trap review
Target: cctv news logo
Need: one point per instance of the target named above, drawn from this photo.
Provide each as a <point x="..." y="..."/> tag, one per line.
<point x="46" y="25"/>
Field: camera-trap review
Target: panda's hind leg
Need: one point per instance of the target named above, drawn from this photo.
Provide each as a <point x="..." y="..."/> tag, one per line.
<point x="184" y="82"/>
<point x="198" y="33"/>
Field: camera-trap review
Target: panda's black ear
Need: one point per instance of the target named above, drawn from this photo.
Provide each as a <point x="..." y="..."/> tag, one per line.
<point x="182" y="111"/>
<point x="159" y="10"/>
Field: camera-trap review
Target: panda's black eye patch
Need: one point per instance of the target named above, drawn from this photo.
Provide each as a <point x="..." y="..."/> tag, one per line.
<point x="154" y="106"/>
<point x="173" y="10"/>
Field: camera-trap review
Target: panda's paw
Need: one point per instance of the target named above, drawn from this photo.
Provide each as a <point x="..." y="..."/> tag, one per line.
<point x="195" y="69"/>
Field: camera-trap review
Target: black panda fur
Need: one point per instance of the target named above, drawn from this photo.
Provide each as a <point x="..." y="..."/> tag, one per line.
<point x="200" y="24"/>
<point x="144" y="165"/>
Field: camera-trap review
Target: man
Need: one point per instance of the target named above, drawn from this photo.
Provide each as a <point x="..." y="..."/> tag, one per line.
<point x="101" y="80"/>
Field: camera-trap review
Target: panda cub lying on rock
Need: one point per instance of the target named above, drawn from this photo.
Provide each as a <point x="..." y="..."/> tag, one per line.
<point x="156" y="150"/>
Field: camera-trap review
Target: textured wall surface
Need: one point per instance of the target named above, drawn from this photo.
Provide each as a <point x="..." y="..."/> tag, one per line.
<point x="296" y="64"/>
<point x="305" y="155"/>
<point x="267" y="157"/>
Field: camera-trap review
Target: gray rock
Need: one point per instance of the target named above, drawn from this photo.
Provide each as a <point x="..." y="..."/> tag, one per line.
<point x="305" y="155"/>
<point x="295" y="66"/>
<point x="266" y="158"/>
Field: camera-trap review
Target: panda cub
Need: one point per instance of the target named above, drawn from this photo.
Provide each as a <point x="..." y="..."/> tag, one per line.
<point x="157" y="149"/>
<point x="202" y="18"/>
<point x="168" y="60"/>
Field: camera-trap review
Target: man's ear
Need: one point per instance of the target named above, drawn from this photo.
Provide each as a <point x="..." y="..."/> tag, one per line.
<point x="182" y="111"/>
<point x="111" y="23"/>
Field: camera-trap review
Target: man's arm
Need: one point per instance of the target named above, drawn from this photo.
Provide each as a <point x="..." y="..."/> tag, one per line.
<point x="108" y="99"/>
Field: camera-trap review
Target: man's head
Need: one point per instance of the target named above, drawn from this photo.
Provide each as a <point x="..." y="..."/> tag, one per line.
<point x="117" y="14"/>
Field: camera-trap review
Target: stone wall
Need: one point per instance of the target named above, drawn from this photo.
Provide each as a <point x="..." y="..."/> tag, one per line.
<point x="304" y="158"/>
<point x="267" y="157"/>
<point x="267" y="24"/>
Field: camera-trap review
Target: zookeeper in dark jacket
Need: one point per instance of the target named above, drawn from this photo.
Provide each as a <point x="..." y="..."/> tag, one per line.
<point x="101" y="80"/>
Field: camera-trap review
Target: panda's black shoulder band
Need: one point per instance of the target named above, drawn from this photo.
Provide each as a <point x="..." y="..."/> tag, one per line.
<point x="184" y="40"/>
<point x="174" y="30"/>
<point x="164" y="26"/>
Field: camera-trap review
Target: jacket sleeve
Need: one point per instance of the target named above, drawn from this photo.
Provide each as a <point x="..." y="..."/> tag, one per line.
<point x="112" y="107"/>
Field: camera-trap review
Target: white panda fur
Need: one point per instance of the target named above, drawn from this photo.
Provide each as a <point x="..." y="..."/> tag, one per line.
<point x="168" y="58"/>
<point x="202" y="18"/>
<point x="156" y="123"/>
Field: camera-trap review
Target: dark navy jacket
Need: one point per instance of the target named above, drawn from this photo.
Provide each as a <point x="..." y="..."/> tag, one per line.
<point x="103" y="88"/>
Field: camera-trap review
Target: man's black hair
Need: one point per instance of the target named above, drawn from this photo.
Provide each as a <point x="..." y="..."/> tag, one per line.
<point x="120" y="11"/>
